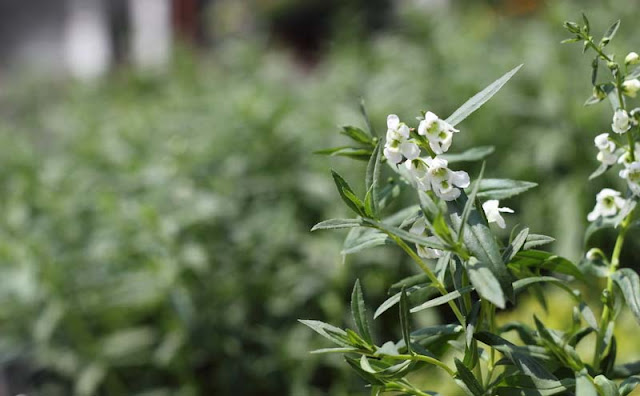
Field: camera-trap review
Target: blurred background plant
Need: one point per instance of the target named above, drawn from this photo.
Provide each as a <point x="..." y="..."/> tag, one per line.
<point x="155" y="231"/>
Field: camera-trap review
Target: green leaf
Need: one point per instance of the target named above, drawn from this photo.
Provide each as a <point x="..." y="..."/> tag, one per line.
<point x="443" y="299"/>
<point x="407" y="236"/>
<point x="415" y="295"/>
<point x="347" y="194"/>
<point x="544" y="260"/>
<point x="473" y="154"/>
<point x="588" y="316"/>
<point x="480" y="98"/>
<point x="337" y="224"/>
<point x="359" y="312"/>
<point x="469" y="204"/>
<point x="628" y="385"/>
<point x="333" y="350"/>
<point x="432" y="331"/>
<point x="535" y="240"/>
<point x="515" y="245"/>
<point x="468" y="379"/>
<point x="328" y="331"/>
<point x="629" y="283"/>
<point x="485" y="283"/>
<point x="587" y="26"/>
<point x="372" y="179"/>
<point x="370" y="378"/>
<point x="610" y="33"/>
<point x="479" y="241"/>
<point x="358" y="153"/>
<point x="364" y="238"/>
<point x="594" y="70"/>
<point x="357" y="134"/>
<point x="413" y="280"/>
<point x="404" y="320"/>
<point x="522" y="284"/>
<point x="502" y="188"/>
<point x="626" y="370"/>
<point x="527" y="365"/>
<point x="584" y="386"/>
<point x="367" y="120"/>
<point x="610" y="358"/>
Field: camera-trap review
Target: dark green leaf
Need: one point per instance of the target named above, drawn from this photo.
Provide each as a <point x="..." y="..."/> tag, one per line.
<point x="364" y="238"/>
<point x="372" y="180"/>
<point x="404" y="320"/>
<point x="626" y="370"/>
<point x="629" y="283"/>
<point x="359" y="312"/>
<point x="502" y="188"/>
<point x="407" y="236"/>
<point x="469" y="380"/>
<point x="337" y="223"/>
<point x="473" y="154"/>
<point x="437" y="330"/>
<point x="515" y="245"/>
<point x="443" y="299"/>
<point x="357" y="134"/>
<point x="367" y="120"/>
<point x="415" y="294"/>
<point x="347" y="194"/>
<point x="328" y="331"/>
<point x="535" y="240"/>
<point x="522" y="284"/>
<point x="594" y="70"/>
<point x="370" y="378"/>
<point x="628" y="385"/>
<point x="544" y="260"/>
<point x="469" y="204"/>
<point x="480" y="98"/>
<point x="610" y="33"/>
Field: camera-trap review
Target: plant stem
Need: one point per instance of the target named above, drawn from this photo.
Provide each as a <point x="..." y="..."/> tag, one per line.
<point x="606" y="317"/>
<point x="432" y="277"/>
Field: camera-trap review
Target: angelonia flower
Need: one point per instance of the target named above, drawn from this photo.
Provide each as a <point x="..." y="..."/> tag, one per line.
<point x="607" y="148"/>
<point x="398" y="144"/>
<point x="438" y="132"/>
<point x="631" y="173"/>
<point x="625" y="158"/>
<point x="631" y="87"/>
<point x="632" y="58"/>
<point x="608" y="203"/>
<point x="432" y="174"/>
<point x="621" y="122"/>
<point x="492" y="211"/>
<point x="419" y="228"/>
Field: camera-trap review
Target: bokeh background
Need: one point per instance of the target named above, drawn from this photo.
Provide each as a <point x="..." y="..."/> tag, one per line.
<point x="157" y="181"/>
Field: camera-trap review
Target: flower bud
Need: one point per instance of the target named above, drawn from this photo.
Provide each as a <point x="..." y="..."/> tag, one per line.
<point x="572" y="27"/>
<point x="632" y="59"/>
<point x="631" y="87"/>
<point x="599" y="93"/>
<point x="595" y="254"/>
<point x="612" y="66"/>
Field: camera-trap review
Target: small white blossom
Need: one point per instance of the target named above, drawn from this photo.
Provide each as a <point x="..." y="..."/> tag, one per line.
<point x="631" y="87"/>
<point x="632" y="175"/>
<point x="419" y="228"/>
<point x="621" y="122"/>
<point x="444" y="182"/>
<point x="608" y="203"/>
<point x="632" y="58"/>
<point x="438" y="132"/>
<point x="625" y="158"/>
<point x="398" y="143"/>
<point x="492" y="211"/>
<point x="607" y="148"/>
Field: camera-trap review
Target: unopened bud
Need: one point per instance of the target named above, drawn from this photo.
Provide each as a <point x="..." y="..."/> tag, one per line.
<point x="594" y="254"/>
<point x="631" y="87"/>
<point x="632" y="59"/>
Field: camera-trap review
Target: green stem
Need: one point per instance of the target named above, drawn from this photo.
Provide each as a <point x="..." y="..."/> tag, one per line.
<point x="606" y="317"/>
<point x="432" y="277"/>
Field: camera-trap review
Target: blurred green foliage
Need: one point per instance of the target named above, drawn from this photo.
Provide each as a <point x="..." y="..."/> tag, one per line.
<point x="154" y="237"/>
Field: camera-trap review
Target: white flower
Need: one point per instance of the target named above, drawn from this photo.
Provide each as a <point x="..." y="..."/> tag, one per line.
<point x="444" y="182"/>
<point x="632" y="58"/>
<point x="438" y="132"/>
<point x="608" y="203"/>
<point x="632" y="174"/>
<point x="607" y="148"/>
<point x="419" y="228"/>
<point x="621" y="122"/>
<point x="492" y="211"/>
<point x="398" y="143"/>
<point x="631" y="87"/>
<point x="625" y="158"/>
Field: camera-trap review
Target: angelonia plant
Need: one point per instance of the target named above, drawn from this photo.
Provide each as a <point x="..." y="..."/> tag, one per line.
<point x="451" y="234"/>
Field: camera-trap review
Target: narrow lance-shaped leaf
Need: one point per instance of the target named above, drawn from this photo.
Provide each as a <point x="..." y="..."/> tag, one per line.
<point x="480" y="98"/>
<point x="610" y="33"/>
<point x="328" y="331"/>
<point x="359" y="312"/>
<point x="367" y="120"/>
<point x="337" y="224"/>
<point x="629" y="283"/>
<point x="473" y="154"/>
<point x="468" y="379"/>
<point x="347" y="194"/>
<point x="356" y="134"/>
<point x="502" y="188"/>
<point x="404" y="320"/>
<point x="443" y="299"/>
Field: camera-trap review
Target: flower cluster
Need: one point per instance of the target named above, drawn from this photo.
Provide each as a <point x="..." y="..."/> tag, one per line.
<point x="428" y="173"/>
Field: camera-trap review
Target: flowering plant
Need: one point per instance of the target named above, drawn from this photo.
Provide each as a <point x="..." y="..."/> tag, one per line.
<point x="448" y="233"/>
